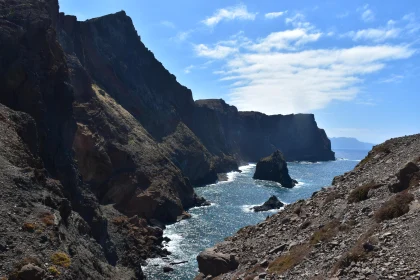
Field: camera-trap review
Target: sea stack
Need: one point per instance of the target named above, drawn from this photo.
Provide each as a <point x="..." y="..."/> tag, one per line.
<point x="274" y="168"/>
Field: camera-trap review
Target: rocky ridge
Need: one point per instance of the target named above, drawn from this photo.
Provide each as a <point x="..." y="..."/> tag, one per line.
<point x="364" y="226"/>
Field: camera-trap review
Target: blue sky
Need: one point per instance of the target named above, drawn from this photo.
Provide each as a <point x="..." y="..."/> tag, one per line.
<point x="354" y="64"/>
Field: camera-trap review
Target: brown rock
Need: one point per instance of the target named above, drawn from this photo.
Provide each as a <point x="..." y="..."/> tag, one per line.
<point x="212" y="263"/>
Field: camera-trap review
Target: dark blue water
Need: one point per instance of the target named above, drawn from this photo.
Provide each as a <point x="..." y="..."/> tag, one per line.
<point x="229" y="211"/>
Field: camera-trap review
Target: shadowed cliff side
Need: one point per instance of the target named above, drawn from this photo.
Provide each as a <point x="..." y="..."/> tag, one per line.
<point x="253" y="135"/>
<point x="113" y="55"/>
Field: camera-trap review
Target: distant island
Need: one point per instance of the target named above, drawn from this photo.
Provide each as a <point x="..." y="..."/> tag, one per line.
<point x="349" y="143"/>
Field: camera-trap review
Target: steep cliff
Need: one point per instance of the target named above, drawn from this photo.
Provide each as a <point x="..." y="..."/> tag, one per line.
<point x="252" y="135"/>
<point x="363" y="226"/>
<point x="110" y="51"/>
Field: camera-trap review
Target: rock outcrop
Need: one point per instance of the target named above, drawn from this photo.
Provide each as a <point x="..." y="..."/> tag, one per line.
<point x="272" y="203"/>
<point x="355" y="229"/>
<point x="214" y="263"/>
<point x="274" y="168"/>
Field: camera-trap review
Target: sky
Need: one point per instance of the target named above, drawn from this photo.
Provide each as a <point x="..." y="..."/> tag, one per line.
<point x="354" y="64"/>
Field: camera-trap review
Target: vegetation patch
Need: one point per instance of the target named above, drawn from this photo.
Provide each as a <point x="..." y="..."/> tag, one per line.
<point x="119" y="220"/>
<point x="325" y="233"/>
<point x="395" y="207"/>
<point x="296" y="255"/>
<point x="357" y="253"/>
<point x="361" y="193"/>
<point x="61" y="259"/>
<point x="383" y="148"/>
<point x="53" y="270"/>
<point x="333" y="195"/>
<point x="29" y="227"/>
<point x="47" y="218"/>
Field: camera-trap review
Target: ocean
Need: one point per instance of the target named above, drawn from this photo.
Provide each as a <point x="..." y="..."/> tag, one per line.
<point x="230" y="209"/>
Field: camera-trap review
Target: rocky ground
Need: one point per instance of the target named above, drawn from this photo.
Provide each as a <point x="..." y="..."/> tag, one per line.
<point x="364" y="226"/>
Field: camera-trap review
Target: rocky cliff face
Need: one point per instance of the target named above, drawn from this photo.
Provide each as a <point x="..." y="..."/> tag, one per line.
<point x="363" y="226"/>
<point x="274" y="168"/>
<point x="113" y="56"/>
<point x="252" y="135"/>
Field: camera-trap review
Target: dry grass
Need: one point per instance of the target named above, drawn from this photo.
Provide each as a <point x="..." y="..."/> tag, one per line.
<point x="53" y="270"/>
<point x="326" y="233"/>
<point x="29" y="227"/>
<point x="296" y="255"/>
<point x="395" y="207"/>
<point x="383" y="148"/>
<point x="357" y="253"/>
<point x="119" y="220"/>
<point x="361" y="193"/>
<point x="61" y="259"/>
<point x="333" y="195"/>
<point x="47" y="218"/>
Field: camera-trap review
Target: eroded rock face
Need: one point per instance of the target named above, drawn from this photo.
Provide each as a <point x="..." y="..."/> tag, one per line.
<point x="272" y="203"/>
<point x="274" y="168"/>
<point x="214" y="264"/>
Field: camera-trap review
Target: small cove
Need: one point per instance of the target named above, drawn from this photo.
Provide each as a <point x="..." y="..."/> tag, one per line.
<point x="229" y="210"/>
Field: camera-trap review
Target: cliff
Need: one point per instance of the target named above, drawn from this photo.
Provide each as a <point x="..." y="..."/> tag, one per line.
<point x="253" y="135"/>
<point x="365" y="225"/>
<point x="100" y="143"/>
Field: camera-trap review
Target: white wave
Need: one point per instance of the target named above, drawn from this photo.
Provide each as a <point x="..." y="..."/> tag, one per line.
<point x="346" y="159"/>
<point x="247" y="168"/>
<point x="247" y="208"/>
<point x="174" y="244"/>
<point x="299" y="184"/>
<point x="309" y="162"/>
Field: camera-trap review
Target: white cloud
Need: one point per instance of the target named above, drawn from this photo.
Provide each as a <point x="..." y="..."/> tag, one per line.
<point x="393" y="79"/>
<point x="366" y="14"/>
<point x="287" y="39"/>
<point x="182" y="35"/>
<point x="168" y="24"/>
<point x="405" y="27"/>
<point x="274" y="14"/>
<point x="188" y="69"/>
<point x="276" y="82"/>
<point x="299" y="21"/>
<point x="216" y="52"/>
<point x="229" y="13"/>
<point x="374" y="34"/>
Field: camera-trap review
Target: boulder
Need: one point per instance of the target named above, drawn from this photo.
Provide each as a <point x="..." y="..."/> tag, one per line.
<point x="274" y="168"/>
<point x="31" y="272"/>
<point x="167" y="269"/>
<point x="272" y="203"/>
<point x="213" y="263"/>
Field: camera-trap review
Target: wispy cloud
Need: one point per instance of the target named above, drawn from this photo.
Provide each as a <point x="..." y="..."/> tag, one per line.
<point x="375" y="34"/>
<point x="182" y="35"/>
<point x="216" y="52"/>
<point x="274" y="14"/>
<point x="366" y="14"/>
<point x="393" y="79"/>
<point x="343" y="15"/>
<point x="294" y="79"/>
<point x="229" y="13"/>
<point x="406" y="26"/>
<point x="168" y="24"/>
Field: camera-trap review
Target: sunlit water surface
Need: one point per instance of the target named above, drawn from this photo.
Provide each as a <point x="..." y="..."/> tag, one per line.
<point x="229" y="210"/>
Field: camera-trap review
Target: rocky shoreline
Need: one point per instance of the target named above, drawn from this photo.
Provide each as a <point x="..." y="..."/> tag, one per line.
<point x="363" y="226"/>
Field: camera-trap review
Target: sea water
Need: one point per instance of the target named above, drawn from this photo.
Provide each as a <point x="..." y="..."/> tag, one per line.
<point x="230" y="209"/>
